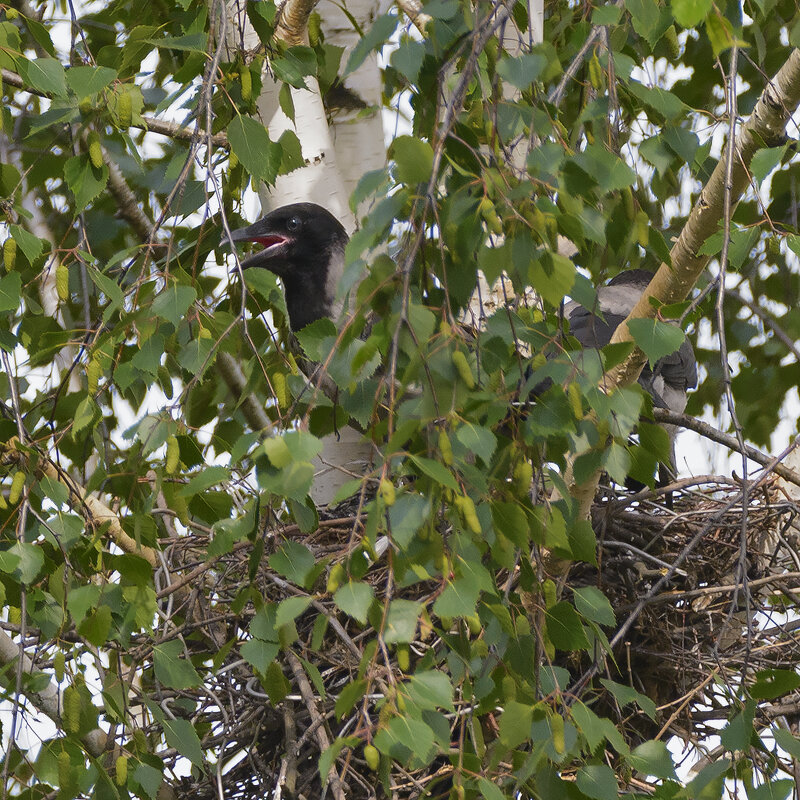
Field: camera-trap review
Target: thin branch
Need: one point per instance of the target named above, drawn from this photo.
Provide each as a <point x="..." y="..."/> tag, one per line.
<point x="765" y="319"/>
<point x="727" y="213"/>
<point x="321" y="735"/>
<point x="726" y="440"/>
<point x="557" y="95"/>
<point x="171" y="129"/>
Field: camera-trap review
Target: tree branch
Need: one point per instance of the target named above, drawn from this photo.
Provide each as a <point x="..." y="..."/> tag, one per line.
<point x="725" y="439"/>
<point x="292" y="27"/>
<point x="94" y="511"/>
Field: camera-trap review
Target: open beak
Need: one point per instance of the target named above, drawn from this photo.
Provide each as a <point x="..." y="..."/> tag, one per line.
<point x="253" y="233"/>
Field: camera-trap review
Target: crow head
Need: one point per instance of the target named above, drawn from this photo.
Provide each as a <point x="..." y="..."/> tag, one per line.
<point x="304" y="246"/>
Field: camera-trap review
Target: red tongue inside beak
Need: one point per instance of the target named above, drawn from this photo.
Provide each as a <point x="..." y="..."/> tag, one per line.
<point x="268" y="241"/>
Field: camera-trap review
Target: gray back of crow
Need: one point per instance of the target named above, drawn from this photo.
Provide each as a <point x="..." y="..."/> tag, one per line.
<point x="672" y="376"/>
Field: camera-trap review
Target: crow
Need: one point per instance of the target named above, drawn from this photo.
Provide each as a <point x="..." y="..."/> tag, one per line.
<point x="671" y="376"/>
<point x="304" y="246"/>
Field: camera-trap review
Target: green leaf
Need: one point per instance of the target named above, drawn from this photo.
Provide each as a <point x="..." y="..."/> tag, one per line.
<point x="355" y="598"/>
<point x="173" y="302"/>
<point x="290" y="609"/>
<point x="110" y="288"/>
<point x="626" y="694"/>
<point x="149" y="778"/>
<point x="147" y="359"/>
<point x="250" y="141"/>
<point x="80" y="600"/>
<point x="408" y="58"/>
<point x="181" y="735"/>
<point x="489" y="790"/>
<point x="291" y="152"/>
<point x="649" y="20"/>
<point x="44" y="75"/>
<point x="275" y="683"/>
<point x="259" y="654"/>
<point x="720" y="32"/>
<point x="96" y="627"/>
<point x="294" y="65"/>
<point x="40" y="33"/>
<point x="407" y="516"/>
<point x="737" y="733"/>
<point x="477" y="439"/>
<point x="414" y="160"/>
<point x="515" y="724"/>
<point x="597" y="781"/>
<point x="765" y="160"/>
<point x="32" y="246"/>
<point x="564" y="627"/>
<point x="785" y="739"/>
<point x="660" y="100"/>
<point x="413" y="734"/>
<point x="772" y="683"/>
<point x="87" y="415"/>
<point x="523" y="70"/>
<point x="401" y="621"/>
<point x="435" y="470"/>
<point x="592" y="604"/>
<point x="380" y="32"/>
<point x="85" y="181"/>
<point x="191" y="42"/>
<point x="653" y="758"/>
<point x="597" y="729"/>
<point x="54" y="490"/>
<point x="430" y="689"/>
<point x="606" y="15"/>
<point x="553" y="276"/>
<point x="351" y="693"/>
<point x="657" y="153"/>
<point x="31" y="560"/>
<point x="85" y="81"/>
<point x="172" y="667"/>
<point x="8" y="562"/>
<point x="656" y="338"/>
<point x="617" y="462"/>
<point x="771" y="790"/>
<point x="689" y="13"/>
<point x="209" y="477"/>
<point x="10" y="288"/>
<point x="459" y="599"/>
<point x="510" y="520"/>
<point x="294" y="561"/>
<point x="607" y="169"/>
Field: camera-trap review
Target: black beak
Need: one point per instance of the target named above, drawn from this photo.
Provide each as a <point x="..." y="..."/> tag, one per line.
<point x="261" y="232"/>
<point x="242" y="235"/>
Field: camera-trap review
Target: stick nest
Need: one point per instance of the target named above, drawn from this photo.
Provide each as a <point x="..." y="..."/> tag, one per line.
<point x="706" y="585"/>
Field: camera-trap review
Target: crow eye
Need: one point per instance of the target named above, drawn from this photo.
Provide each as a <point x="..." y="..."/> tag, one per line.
<point x="294" y="223"/>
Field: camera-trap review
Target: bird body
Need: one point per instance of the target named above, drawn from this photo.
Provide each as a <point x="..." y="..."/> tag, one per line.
<point x="304" y="246"/>
<point x="670" y="378"/>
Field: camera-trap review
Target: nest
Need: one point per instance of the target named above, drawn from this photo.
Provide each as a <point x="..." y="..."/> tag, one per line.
<point x="699" y="591"/>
